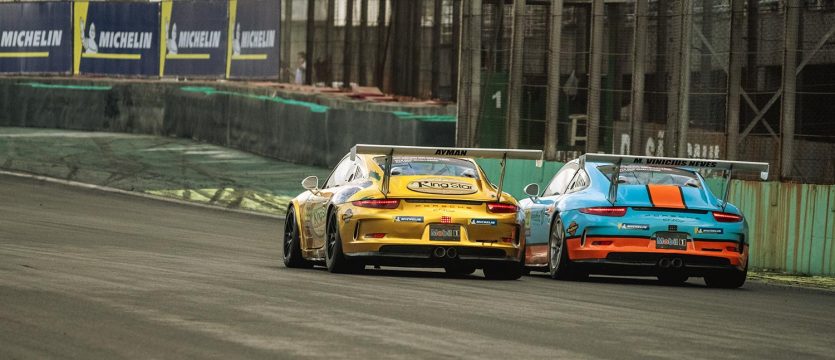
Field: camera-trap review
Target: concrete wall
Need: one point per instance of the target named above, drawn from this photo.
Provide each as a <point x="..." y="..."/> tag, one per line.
<point x="256" y="120"/>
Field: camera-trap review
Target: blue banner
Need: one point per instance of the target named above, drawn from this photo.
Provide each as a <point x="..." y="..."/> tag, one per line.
<point x="118" y="38"/>
<point x="195" y="37"/>
<point x="253" y="51"/>
<point x="35" y="37"/>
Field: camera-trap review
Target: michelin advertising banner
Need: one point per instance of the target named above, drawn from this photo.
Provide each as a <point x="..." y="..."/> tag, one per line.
<point x="194" y="38"/>
<point x="119" y="38"/>
<point x="35" y="37"/>
<point x="253" y="28"/>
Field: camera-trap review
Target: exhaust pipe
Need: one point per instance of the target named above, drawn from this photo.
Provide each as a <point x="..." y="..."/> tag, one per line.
<point x="677" y="263"/>
<point x="451" y="253"/>
<point x="664" y="263"/>
<point x="439" y="252"/>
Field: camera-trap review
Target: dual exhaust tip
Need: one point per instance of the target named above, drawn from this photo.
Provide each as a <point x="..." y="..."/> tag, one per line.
<point x="675" y="263"/>
<point x="440" y="252"/>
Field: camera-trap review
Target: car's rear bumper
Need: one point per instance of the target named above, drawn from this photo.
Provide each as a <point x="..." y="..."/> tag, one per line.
<point x="434" y="255"/>
<point x="636" y="256"/>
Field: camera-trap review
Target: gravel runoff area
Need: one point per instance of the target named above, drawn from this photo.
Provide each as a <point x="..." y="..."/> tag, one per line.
<point x="162" y="166"/>
<point x="192" y="171"/>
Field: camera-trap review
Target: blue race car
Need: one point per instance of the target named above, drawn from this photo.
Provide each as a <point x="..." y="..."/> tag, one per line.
<point x="638" y="216"/>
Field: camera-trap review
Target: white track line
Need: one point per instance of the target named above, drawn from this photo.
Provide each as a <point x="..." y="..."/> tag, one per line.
<point x="132" y="193"/>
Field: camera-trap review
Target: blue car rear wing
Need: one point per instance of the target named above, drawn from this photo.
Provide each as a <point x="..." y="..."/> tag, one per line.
<point x="727" y="166"/>
<point x="389" y="151"/>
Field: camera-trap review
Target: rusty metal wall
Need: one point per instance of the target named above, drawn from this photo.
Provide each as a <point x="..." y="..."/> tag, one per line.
<point x="792" y="226"/>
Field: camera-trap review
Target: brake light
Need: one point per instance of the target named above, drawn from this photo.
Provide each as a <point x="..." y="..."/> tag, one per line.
<point x="726" y="217"/>
<point x="501" y="208"/>
<point x="605" y="211"/>
<point x="378" y="203"/>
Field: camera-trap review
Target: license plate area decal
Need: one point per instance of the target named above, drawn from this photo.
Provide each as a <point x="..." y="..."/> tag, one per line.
<point x="444" y="232"/>
<point x="671" y="240"/>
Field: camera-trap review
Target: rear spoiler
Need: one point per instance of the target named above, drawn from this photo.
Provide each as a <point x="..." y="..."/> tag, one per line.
<point x="710" y="164"/>
<point x="389" y="151"/>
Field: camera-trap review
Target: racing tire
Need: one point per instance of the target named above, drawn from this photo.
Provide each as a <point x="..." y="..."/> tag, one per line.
<point x="559" y="265"/>
<point x="459" y="269"/>
<point x="672" y="278"/>
<point x="731" y="279"/>
<point x="292" y="245"/>
<point x="335" y="259"/>
<point x="503" y="271"/>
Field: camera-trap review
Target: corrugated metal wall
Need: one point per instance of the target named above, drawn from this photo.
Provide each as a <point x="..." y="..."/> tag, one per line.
<point x="792" y="226"/>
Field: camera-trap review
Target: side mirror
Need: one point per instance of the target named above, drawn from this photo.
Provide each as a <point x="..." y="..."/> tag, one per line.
<point x="311" y="183"/>
<point x="532" y="190"/>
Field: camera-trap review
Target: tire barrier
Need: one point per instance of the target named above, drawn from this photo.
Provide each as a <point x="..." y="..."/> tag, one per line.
<point x="277" y="127"/>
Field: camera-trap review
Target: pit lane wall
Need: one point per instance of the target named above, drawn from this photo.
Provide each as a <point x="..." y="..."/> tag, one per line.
<point x="792" y="226"/>
<point x="258" y="120"/>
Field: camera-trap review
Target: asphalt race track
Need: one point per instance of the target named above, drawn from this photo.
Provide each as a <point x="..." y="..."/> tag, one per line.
<point x="86" y="274"/>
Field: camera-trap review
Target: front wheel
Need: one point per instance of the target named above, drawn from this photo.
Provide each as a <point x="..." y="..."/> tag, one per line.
<point x="292" y="247"/>
<point x="335" y="259"/>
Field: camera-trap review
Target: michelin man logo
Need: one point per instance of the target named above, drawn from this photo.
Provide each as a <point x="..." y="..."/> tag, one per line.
<point x="89" y="43"/>
<point x="171" y="43"/>
<point x="236" y="41"/>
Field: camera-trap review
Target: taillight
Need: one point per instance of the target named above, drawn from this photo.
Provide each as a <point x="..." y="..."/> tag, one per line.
<point x="726" y="217"/>
<point x="501" y="208"/>
<point x="378" y="203"/>
<point x="605" y="211"/>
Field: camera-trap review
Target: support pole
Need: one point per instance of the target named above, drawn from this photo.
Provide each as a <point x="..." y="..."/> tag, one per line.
<point x="348" y="49"/>
<point x="595" y="74"/>
<point x="436" y="48"/>
<point x="552" y="108"/>
<point x="639" y="60"/>
<point x="514" y="91"/>
<point x="362" y="68"/>
<point x="310" y="40"/>
<point x="456" y="47"/>
<point x="327" y="77"/>
<point x="287" y="46"/>
<point x="382" y="49"/>
<point x="735" y="59"/>
<point x="469" y="65"/>
<point x="787" y="114"/>
<point x="684" y="73"/>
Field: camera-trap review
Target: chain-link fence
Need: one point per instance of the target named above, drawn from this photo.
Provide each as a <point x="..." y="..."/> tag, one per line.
<point x="693" y="78"/>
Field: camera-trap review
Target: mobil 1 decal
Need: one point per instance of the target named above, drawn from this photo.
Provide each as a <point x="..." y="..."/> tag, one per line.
<point x="194" y="38"/>
<point x="119" y="38"/>
<point x="35" y="37"/>
<point x="253" y="48"/>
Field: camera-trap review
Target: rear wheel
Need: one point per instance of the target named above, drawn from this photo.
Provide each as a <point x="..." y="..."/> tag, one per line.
<point x="672" y="278"/>
<point x="292" y="246"/>
<point x="503" y="271"/>
<point x="335" y="259"/>
<point x="559" y="265"/>
<point x="731" y="279"/>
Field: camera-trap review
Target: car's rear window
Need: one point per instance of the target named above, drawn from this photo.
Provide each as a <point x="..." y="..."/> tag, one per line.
<point x="650" y="175"/>
<point x="414" y="165"/>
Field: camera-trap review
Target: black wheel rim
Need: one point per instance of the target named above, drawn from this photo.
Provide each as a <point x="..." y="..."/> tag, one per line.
<point x="289" y="233"/>
<point x="331" y="237"/>
<point x="555" y="244"/>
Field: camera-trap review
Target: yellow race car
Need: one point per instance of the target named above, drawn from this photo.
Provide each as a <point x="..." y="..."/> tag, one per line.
<point x="409" y="206"/>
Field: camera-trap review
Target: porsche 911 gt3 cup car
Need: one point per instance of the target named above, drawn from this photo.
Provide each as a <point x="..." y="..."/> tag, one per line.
<point x="408" y="206"/>
<point x="634" y="215"/>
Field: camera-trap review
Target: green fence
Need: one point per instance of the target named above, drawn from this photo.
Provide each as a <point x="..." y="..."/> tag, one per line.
<point x="792" y="226"/>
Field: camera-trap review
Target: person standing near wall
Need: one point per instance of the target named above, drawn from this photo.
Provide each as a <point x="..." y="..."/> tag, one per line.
<point x="300" y="70"/>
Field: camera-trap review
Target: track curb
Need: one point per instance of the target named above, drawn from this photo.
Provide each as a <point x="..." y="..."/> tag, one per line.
<point x="132" y="193"/>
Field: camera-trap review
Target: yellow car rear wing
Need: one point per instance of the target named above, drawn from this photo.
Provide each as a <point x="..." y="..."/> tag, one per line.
<point x="710" y="164"/>
<point x="390" y="151"/>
